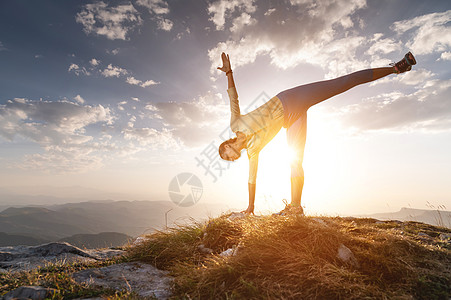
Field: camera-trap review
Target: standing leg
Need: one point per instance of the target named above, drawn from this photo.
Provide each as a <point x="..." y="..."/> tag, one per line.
<point x="296" y="137"/>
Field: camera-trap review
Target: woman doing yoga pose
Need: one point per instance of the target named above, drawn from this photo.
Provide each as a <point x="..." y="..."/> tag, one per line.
<point x="288" y="109"/>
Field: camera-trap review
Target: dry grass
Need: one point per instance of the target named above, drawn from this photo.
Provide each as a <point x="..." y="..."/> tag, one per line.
<point x="296" y="258"/>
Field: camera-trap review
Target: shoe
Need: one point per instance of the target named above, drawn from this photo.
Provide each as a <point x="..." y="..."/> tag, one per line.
<point x="290" y="210"/>
<point x="404" y="64"/>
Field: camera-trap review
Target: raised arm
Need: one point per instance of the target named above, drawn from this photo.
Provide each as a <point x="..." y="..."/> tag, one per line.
<point x="233" y="95"/>
<point x="227" y="68"/>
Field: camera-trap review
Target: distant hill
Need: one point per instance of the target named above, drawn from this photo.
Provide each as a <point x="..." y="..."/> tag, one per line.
<point x="131" y="218"/>
<point x="434" y="217"/>
<point x="16" y="240"/>
<point x="100" y="240"/>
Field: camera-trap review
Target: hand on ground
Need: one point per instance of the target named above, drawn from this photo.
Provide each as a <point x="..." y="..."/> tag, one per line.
<point x="249" y="211"/>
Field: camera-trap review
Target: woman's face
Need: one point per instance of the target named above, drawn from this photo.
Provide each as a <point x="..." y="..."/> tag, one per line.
<point x="230" y="153"/>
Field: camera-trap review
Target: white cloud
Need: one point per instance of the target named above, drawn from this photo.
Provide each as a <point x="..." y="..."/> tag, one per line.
<point x="113" y="71"/>
<point x="37" y="56"/>
<point x="62" y="160"/>
<point x="426" y="109"/>
<point x="305" y="32"/>
<point x="416" y="77"/>
<point x="225" y="8"/>
<point x="383" y="46"/>
<point x="164" y="24"/>
<point x="114" y="22"/>
<point x="194" y="123"/>
<point x="73" y="67"/>
<point x="114" y="51"/>
<point x="77" y="70"/>
<point x="79" y="99"/>
<point x="243" y="20"/>
<point x="121" y="104"/>
<point x="148" y="83"/>
<point x="133" y="81"/>
<point x="151" y="137"/>
<point x="2" y="48"/>
<point x="158" y="7"/>
<point x="445" y="56"/>
<point x="94" y="62"/>
<point x="135" y="99"/>
<point x="270" y="11"/>
<point x="59" y="127"/>
<point x="428" y="33"/>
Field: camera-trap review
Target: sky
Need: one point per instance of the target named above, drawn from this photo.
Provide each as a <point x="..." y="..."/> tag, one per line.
<point x="122" y="96"/>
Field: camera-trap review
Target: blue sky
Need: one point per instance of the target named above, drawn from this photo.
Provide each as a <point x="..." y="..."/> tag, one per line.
<point x="124" y="95"/>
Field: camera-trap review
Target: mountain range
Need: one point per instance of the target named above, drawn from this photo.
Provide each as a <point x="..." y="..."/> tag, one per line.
<point x="435" y="217"/>
<point x="37" y="224"/>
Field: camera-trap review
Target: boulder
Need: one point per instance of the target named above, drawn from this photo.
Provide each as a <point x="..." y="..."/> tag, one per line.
<point x="19" y="258"/>
<point x="29" y="292"/>
<point x="141" y="278"/>
<point x="345" y="255"/>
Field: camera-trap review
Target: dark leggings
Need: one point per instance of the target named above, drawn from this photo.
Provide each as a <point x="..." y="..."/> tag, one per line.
<point x="296" y="101"/>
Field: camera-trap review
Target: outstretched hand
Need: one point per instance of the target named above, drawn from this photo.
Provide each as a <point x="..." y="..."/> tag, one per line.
<point x="225" y="63"/>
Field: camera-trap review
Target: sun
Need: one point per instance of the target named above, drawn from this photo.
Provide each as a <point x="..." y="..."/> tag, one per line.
<point x="321" y="167"/>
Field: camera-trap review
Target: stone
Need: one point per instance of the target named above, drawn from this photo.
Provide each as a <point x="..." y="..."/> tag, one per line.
<point x="204" y="249"/>
<point x="141" y="278"/>
<point x="29" y="292"/>
<point x="345" y="255"/>
<point x="20" y="258"/>
<point x="445" y="237"/>
<point x="319" y="221"/>
<point x="425" y="235"/>
<point x="236" y="216"/>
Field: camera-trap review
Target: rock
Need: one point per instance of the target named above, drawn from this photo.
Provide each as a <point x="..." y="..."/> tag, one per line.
<point x="231" y="251"/>
<point x="55" y="249"/>
<point x="445" y="237"/>
<point x="29" y="257"/>
<point x="141" y="278"/>
<point x="204" y="249"/>
<point x="319" y="221"/>
<point x="236" y="216"/>
<point x="29" y="292"/>
<point x="345" y="255"/>
<point x="425" y="235"/>
<point x="226" y="253"/>
<point x="139" y="240"/>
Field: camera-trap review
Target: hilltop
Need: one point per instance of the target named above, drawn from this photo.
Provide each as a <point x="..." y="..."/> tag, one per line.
<point x="265" y="257"/>
<point x="298" y="257"/>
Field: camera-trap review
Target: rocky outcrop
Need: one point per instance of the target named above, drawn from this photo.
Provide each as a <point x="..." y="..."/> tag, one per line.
<point x="29" y="292"/>
<point x="141" y="278"/>
<point x="29" y="257"/>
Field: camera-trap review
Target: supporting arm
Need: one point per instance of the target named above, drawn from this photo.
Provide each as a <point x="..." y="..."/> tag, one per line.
<point x="250" y="208"/>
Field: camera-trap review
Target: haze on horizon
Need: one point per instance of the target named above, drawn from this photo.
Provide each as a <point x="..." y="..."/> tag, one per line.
<point x="119" y="97"/>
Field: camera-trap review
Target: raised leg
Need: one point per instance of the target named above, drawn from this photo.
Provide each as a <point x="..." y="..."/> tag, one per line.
<point x="299" y="99"/>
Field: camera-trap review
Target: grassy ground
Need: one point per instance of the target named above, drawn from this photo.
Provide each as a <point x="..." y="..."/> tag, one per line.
<point x="296" y="258"/>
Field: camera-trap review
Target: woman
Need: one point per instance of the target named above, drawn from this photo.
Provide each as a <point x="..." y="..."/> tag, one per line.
<point x="288" y="109"/>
